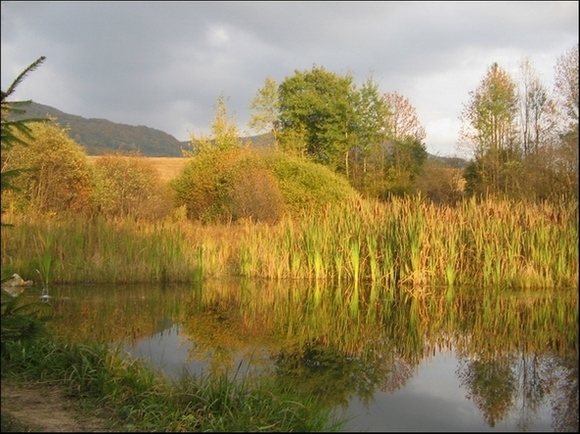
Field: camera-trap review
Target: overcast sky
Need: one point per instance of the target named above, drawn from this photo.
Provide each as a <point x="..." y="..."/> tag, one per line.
<point x="164" y="64"/>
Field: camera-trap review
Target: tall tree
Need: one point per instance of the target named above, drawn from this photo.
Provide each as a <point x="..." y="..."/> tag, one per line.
<point x="266" y="108"/>
<point x="370" y="131"/>
<point x="489" y="126"/>
<point x="566" y="87"/>
<point x="537" y="121"/>
<point x="317" y="108"/>
<point x="402" y="120"/>
<point x="405" y="150"/>
<point x="536" y="109"/>
<point x="566" y="93"/>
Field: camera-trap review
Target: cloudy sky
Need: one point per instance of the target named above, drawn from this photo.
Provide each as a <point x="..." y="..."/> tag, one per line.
<point x="164" y="64"/>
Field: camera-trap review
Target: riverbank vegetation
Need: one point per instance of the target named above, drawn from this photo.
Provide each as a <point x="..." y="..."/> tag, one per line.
<point x="408" y="243"/>
<point x="133" y="397"/>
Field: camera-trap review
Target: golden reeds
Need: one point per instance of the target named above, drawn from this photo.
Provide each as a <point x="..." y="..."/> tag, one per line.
<point x="405" y="242"/>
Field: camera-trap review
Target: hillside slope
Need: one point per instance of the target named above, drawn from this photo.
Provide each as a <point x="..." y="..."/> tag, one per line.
<point x="99" y="136"/>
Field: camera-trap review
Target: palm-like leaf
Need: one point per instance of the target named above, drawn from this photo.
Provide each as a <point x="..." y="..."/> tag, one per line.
<point x="12" y="131"/>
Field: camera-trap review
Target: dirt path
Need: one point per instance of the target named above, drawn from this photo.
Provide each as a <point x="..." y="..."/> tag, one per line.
<point x="43" y="408"/>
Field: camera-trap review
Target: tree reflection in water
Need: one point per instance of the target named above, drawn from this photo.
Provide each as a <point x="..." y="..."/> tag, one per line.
<point x="518" y="353"/>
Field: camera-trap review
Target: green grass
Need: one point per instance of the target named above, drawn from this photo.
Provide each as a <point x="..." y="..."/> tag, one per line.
<point x="144" y="400"/>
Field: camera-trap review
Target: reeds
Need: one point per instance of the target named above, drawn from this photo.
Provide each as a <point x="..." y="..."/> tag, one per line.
<point x="406" y="242"/>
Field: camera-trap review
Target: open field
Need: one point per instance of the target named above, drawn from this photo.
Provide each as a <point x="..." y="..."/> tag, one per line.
<point x="168" y="167"/>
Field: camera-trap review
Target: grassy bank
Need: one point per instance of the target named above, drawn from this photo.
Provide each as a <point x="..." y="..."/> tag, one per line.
<point x="136" y="398"/>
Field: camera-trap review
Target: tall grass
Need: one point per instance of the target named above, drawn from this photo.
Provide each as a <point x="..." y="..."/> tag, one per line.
<point x="141" y="399"/>
<point x="405" y="242"/>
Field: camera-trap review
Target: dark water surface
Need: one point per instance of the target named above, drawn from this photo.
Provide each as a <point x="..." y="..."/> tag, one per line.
<point x="477" y="361"/>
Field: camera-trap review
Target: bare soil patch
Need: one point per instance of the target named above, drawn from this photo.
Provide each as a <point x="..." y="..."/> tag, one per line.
<point x="44" y="408"/>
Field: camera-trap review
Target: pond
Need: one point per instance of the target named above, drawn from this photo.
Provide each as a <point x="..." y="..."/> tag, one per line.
<point x="474" y="360"/>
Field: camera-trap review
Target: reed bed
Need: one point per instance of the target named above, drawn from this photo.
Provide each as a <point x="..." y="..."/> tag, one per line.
<point x="406" y="243"/>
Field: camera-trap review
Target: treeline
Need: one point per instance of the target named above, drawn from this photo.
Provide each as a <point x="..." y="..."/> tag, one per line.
<point x="523" y="137"/>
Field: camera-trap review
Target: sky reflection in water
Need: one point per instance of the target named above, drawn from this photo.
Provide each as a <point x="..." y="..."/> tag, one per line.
<point x="432" y="400"/>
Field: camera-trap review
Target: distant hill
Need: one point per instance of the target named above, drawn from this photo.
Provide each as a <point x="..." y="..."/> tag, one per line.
<point x="99" y="136"/>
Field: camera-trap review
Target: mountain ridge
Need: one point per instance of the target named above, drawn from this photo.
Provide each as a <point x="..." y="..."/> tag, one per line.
<point x="100" y="136"/>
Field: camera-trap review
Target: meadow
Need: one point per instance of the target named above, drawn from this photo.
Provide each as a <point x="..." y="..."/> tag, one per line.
<point x="167" y="167"/>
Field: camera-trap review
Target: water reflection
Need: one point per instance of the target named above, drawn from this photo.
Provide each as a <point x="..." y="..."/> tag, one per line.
<point x="480" y="361"/>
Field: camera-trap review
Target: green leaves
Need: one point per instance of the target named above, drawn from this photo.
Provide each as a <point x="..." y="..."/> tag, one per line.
<point x="11" y="130"/>
<point x="328" y="115"/>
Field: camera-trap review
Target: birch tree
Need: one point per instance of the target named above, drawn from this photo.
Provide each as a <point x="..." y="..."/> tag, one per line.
<point x="224" y="132"/>
<point x="566" y="87"/>
<point x="536" y="110"/>
<point x="566" y="93"/>
<point x="265" y="108"/>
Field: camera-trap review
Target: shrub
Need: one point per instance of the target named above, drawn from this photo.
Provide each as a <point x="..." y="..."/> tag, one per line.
<point x="306" y="185"/>
<point x="257" y="196"/>
<point x="440" y="183"/>
<point x="221" y="185"/>
<point x="56" y="175"/>
<point x="226" y="185"/>
<point x="129" y="185"/>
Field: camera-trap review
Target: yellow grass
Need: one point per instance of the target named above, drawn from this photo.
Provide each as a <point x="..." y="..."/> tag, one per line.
<point x="168" y="167"/>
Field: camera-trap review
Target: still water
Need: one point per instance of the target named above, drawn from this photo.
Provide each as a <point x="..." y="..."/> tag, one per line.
<point x="478" y="360"/>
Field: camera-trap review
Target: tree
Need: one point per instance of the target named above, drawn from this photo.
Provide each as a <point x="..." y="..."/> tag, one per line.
<point x="266" y="108"/>
<point x="225" y="134"/>
<point x="536" y="110"/>
<point x="566" y="87"/>
<point x="402" y="120"/>
<point x="566" y="93"/>
<point x="403" y="153"/>
<point x="489" y="126"/>
<point x="370" y="130"/>
<point x="317" y="108"/>
<point x="491" y="385"/>
<point x="14" y="131"/>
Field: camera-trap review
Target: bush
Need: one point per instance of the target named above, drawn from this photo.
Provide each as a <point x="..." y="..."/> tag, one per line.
<point x="440" y="183"/>
<point x="22" y="324"/>
<point x="129" y="186"/>
<point x="221" y="185"/>
<point x="55" y="176"/>
<point x="306" y="185"/>
<point x="257" y="196"/>
<point x="227" y="185"/>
